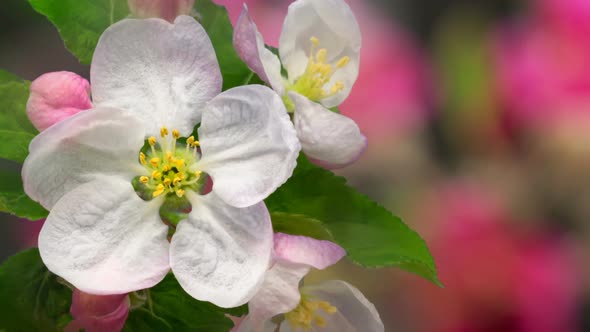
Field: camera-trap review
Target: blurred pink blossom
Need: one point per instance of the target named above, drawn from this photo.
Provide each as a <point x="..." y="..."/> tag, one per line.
<point x="496" y="278"/>
<point x="393" y="92"/>
<point x="543" y="64"/>
<point x="96" y="313"/>
<point x="166" y="9"/>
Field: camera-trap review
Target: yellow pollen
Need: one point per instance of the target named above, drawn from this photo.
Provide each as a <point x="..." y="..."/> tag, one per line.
<point x="196" y="143"/>
<point x="170" y="167"/>
<point x="159" y="190"/>
<point x="342" y="62"/>
<point x="314" y="41"/>
<point x="306" y="314"/>
<point x="316" y="82"/>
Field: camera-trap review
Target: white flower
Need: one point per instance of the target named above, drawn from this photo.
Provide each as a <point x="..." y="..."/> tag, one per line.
<point x="329" y="306"/>
<point x="320" y="49"/>
<point x="151" y="78"/>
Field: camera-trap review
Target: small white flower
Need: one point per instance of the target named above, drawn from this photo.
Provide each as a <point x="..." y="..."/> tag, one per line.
<point x="320" y="49"/>
<point x="329" y="306"/>
<point x="153" y="80"/>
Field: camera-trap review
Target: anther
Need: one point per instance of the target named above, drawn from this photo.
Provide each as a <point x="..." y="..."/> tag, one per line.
<point x="164" y="132"/>
<point x="142" y="158"/>
<point x="155" y="161"/>
<point x="152" y="140"/>
<point x="179" y="163"/>
<point x="314" y="41"/>
<point x="167" y="182"/>
<point x="179" y="192"/>
<point x="144" y="179"/>
<point x="175" y="133"/>
<point x="190" y="140"/>
<point x="342" y="62"/>
<point x="321" y="55"/>
<point x="156" y="175"/>
<point x="159" y="190"/>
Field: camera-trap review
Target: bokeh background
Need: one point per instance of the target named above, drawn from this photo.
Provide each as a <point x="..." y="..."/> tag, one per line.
<point x="478" y="119"/>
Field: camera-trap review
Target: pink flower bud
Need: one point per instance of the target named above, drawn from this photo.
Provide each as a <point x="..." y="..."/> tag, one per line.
<point x="166" y="9"/>
<point x="98" y="313"/>
<point x="57" y="96"/>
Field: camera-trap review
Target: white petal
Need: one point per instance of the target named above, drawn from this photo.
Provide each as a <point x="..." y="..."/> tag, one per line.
<point x="220" y="253"/>
<point x="76" y="150"/>
<point x="305" y="250"/>
<point x="103" y="239"/>
<point x="249" y="145"/>
<point x="355" y="312"/>
<point x="249" y="44"/>
<point x="334" y="24"/>
<point x="278" y="294"/>
<point x="162" y="72"/>
<point x="327" y="137"/>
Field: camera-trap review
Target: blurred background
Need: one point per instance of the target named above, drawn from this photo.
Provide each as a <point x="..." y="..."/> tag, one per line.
<point x="478" y="119"/>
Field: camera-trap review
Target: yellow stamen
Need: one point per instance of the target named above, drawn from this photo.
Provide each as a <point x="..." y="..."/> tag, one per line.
<point x="342" y="62"/>
<point x="155" y="161"/>
<point x="176" y="180"/>
<point x="179" y="192"/>
<point x="164" y="132"/>
<point x="190" y="140"/>
<point x="179" y="163"/>
<point x="156" y="175"/>
<point x="198" y="174"/>
<point x="175" y="134"/>
<point x="159" y="190"/>
<point x="166" y="168"/>
<point x="142" y="158"/>
<point x="152" y="140"/>
<point x="314" y="41"/>
<point x="144" y="179"/>
<point x="167" y="182"/>
<point x="305" y="314"/>
<point x="196" y="143"/>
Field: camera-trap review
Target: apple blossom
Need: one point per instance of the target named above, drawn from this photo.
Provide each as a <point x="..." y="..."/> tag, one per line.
<point x="56" y="96"/>
<point x="319" y="47"/>
<point x="153" y="81"/>
<point x="334" y="305"/>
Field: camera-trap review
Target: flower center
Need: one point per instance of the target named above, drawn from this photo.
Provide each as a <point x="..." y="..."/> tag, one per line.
<point x="318" y="73"/>
<point x="169" y="164"/>
<point x="306" y="314"/>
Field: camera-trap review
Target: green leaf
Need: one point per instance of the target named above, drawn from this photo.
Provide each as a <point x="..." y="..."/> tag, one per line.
<point x="13" y="199"/>
<point x="13" y="101"/>
<point x="370" y="234"/>
<point x="216" y="22"/>
<point x="15" y="146"/>
<point x="169" y="303"/>
<point x="81" y="22"/>
<point x="31" y="298"/>
<point x="6" y="77"/>
<point x="298" y="224"/>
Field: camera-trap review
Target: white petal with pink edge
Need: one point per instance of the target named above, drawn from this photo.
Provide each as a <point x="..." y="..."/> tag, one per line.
<point x="103" y="239"/>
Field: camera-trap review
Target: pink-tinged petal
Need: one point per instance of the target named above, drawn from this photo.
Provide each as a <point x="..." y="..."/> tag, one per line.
<point x="57" y="96"/>
<point x="305" y="250"/>
<point x="327" y="138"/>
<point x="249" y="144"/>
<point x="162" y="73"/>
<point x="220" y="253"/>
<point x="76" y="150"/>
<point x="279" y="293"/>
<point x="166" y="9"/>
<point x="355" y="312"/>
<point x="249" y="44"/>
<point x="103" y="239"/>
<point x="98" y="313"/>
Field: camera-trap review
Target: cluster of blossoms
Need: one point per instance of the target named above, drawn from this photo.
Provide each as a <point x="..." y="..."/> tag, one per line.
<point x="112" y="154"/>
